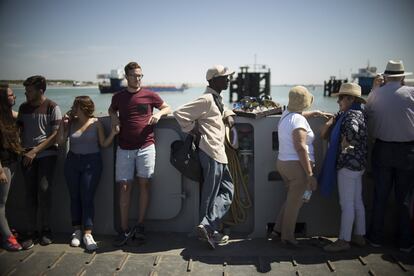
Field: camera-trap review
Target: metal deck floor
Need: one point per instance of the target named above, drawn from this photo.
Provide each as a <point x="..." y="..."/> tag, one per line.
<point x="177" y="254"/>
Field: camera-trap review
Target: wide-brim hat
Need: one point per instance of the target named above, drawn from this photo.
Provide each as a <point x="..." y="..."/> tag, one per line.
<point x="218" y="71"/>
<point x="350" y="89"/>
<point x="300" y="99"/>
<point x="231" y="137"/>
<point x="395" y="68"/>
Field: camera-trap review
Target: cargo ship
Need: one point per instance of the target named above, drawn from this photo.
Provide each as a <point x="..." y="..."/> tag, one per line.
<point x="365" y="78"/>
<point x="115" y="81"/>
<point x="166" y="88"/>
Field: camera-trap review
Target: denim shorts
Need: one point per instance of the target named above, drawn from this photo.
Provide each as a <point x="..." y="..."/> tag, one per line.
<point x="141" y="161"/>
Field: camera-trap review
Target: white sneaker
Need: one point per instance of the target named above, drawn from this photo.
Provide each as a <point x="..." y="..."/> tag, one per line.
<point x="89" y="242"/>
<point x="220" y="238"/>
<point x="76" y="238"/>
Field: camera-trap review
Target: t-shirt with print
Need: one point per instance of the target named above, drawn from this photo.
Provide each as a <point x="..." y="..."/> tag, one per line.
<point x="287" y="124"/>
<point x="38" y="123"/>
<point x="135" y="110"/>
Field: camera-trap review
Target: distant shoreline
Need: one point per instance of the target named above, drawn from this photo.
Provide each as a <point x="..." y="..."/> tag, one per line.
<point x="20" y="86"/>
<point x="54" y="83"/>
<point x="67" y="84"/>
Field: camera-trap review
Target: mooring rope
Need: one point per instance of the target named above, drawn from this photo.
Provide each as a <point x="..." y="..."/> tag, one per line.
<point x="241" y="199"/>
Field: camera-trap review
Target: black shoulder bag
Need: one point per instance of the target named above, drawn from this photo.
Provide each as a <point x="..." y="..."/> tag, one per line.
<point x="184" y="157"/>
<point x="184" y="154"/>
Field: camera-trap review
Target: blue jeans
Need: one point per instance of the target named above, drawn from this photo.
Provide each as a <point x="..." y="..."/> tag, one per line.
<point x="38" y="179"/>
<point x="82" y="173"/>
<point x="216" y="194"/>
<point x="9" y="170"/>
<point x="392" y="165"/>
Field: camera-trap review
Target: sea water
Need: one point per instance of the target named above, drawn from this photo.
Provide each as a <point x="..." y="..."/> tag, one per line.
<point x="64" y="97"/>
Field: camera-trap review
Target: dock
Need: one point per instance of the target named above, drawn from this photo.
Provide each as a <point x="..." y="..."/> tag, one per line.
<point x="178" y="254"/>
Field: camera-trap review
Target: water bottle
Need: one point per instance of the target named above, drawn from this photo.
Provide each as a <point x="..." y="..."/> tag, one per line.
<point x="307" y="195"/>
<point x="237" y="106"/>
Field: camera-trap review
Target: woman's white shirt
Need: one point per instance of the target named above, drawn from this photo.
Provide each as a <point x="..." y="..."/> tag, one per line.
<point x="287" y="124"/>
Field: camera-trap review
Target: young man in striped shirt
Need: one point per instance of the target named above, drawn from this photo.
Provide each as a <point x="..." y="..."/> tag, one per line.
<point x="39" y="120"/>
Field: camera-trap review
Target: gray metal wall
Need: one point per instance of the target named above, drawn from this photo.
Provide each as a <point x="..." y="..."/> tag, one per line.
<point x="175" y="199"/>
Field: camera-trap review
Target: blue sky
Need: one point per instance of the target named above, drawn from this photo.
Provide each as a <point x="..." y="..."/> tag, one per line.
<point x="176" y="41"/>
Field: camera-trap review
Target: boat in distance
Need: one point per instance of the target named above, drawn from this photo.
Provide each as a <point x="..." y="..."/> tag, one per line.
<point x="365" y="78"/>
<point x="115" y="81"/>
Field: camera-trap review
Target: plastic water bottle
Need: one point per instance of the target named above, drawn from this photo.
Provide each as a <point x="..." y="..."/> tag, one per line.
<point x="307" y="195"/>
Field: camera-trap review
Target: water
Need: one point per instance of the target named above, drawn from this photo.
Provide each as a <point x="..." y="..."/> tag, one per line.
<point x="64" y="97"/>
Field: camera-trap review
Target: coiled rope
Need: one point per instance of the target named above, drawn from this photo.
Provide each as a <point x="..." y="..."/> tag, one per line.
<point x="241" y="199"/>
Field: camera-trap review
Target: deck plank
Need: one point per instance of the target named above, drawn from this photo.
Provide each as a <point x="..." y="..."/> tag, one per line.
<point x="176" y="254"/>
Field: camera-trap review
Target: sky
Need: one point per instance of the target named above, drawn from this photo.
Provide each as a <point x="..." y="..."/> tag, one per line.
<point x="176" y="41"/>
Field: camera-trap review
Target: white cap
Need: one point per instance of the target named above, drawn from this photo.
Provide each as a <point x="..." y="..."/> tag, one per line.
<point x="218" y="71"/>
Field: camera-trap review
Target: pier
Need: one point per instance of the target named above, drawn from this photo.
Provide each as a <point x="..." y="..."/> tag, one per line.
<point x="332" y="86"/>
<point x="252" y="84"/>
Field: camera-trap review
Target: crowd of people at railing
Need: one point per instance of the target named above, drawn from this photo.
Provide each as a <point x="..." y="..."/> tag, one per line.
<point x="30" y="138"/>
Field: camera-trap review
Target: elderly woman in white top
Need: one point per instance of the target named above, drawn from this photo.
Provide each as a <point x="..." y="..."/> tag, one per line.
<point x="295" y="161"/>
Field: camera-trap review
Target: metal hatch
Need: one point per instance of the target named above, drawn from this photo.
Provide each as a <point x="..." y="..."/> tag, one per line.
<point x="166" y="193"/>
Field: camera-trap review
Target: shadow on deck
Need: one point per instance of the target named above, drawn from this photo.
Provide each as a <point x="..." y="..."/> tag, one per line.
<point x="178" y="254"/>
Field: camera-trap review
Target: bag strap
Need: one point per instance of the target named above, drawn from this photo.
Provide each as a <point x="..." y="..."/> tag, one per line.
<point x="281" y="119"/>
<point x="218" y="103"/>
<point x="220" y="106"/>
<point x="196" y="140"/>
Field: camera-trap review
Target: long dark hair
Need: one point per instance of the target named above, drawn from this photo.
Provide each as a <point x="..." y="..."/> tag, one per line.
<point x="9" y="138"/>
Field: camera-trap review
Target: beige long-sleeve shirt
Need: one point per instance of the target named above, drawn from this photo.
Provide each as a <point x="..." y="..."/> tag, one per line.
<point x="205" y="112"/>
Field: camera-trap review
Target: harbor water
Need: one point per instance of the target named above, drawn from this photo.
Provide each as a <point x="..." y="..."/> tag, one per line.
<point x="64" y="97"/>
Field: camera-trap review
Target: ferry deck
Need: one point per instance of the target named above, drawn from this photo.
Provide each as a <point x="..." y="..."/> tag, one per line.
<point x="172" y="247"/>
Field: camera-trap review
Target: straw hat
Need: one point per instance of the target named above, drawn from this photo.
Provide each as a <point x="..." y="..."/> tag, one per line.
<point x="299" y="99"/>
<point x="350" y="89"/>
<point x="395" y="69"/>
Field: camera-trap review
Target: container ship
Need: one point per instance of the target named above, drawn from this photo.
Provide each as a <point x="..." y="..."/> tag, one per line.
<point x="115" y="81"/>
<point x="365" y="78"/>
